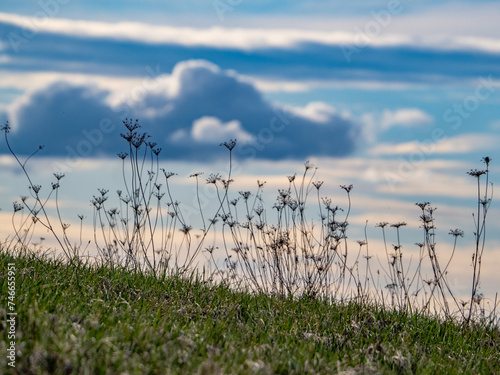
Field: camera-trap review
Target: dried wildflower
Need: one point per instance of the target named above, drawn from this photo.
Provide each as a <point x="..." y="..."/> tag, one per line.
<point x="213" y="178"/>
<point x="422" y="205"/>
<point x="103" y="192"/>
<point x="168" y="174"/>
<point x="486" y="160"/>
<point x="98" y="201"/>
<point x="58" y="176"/>
<point x="225" y="217"/>
<point x="210" y="249"/>
<point x="157" y="151"/>
<point x="17" y="207"/>
<point x="317" y="184"/>
<point x="55" y="185"/>
<point x="382" y="224"/>
<point x="476" y="173"/>
<point x="485" y="201"/>
<point x="456" y="233"/>
<point x="229" y="145"/>
<point x="283" y="194"/>
<point x="293" y="204"/>
<point x="260" y="183"/>
<point x="291" y="178"/>
<point x="196" y="174"/>
<point x="126" y="200"/>
<point x="6" y="127"/>
<point x="130" y="125"/>
<point x="361" y="243"/>
<point x="347" y="188"/>
<point x="158" y="196"/>
<point x="245" y="194"/>
<point x="308" y="165"/>
<point x="122" y="155"/>
<point x="137" y="209"/>
<point x="139" y="139"/>
<point x="392" y="286"/>
<point x="128" y="136"/>
<point x="227" y="183"/>
<point x="36" y="188"/>
<point x="426" y="219"/>
<point x="397" y="225"/>
<point x="185" y="229"/>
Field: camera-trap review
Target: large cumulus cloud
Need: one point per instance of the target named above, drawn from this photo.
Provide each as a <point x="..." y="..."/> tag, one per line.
<point x="188" y="114"/>
<point x="67" y="120"/>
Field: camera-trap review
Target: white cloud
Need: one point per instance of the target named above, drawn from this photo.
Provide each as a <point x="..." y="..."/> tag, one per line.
<point x="398" y="33"/>
<point x="404" y="117"/>
<point x="455" y="145"/>
<point x="315" y="111"/>
<point x="211" y="130"/>
<point x="184" y="112"/>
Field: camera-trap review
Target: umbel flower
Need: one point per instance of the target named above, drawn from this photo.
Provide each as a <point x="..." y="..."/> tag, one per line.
<point x="229" y="145"/>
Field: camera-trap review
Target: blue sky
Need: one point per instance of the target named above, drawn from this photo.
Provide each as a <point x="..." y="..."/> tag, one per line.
<point x="400" y="98"/>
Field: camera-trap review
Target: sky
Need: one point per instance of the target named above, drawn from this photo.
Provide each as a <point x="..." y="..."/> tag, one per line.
<point x="399" y="98"/>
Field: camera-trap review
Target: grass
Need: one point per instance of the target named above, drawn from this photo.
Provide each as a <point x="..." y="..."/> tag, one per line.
<point x="88" y="319"/>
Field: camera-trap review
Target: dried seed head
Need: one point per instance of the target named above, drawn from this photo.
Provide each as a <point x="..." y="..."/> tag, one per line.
<point x="229" y="145"/>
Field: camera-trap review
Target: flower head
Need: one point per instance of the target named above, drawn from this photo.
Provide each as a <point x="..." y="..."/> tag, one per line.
<point x="347" y="188"/>
<point x="476" y="173"/>
<point x="229" y="145"/>
<point x="317" y="184"/>
<point x="6" y="127"/>
<point x="58" y="176"/>
<point x="456" y="233"/>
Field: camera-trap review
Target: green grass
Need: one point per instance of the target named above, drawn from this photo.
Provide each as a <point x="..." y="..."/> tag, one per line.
<point x="82" y="319"/>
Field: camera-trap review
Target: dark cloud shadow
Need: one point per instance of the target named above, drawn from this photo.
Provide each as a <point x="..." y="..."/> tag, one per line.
<point x="210" y="106"/>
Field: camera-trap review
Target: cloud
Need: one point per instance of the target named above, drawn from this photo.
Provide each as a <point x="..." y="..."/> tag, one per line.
<point x="404" y="30"/>
<point x="290" y="56"/>
<point x="404" y="117"/>
<point x="67" y="120"/>
<point x="211" y="130"/>
<point x="198" y="105"/>
<point x="459" y="144"/>
<point x="316" y="111"/>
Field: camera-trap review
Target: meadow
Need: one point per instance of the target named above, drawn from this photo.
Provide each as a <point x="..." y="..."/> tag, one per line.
<point x="278" y="293"/>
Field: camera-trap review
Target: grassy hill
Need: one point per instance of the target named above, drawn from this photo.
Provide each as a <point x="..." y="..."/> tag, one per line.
<point x="83" y="319"/>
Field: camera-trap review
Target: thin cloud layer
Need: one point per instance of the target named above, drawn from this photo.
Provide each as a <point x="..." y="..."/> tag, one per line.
<point x="404" y="117"/>
<point x="460" y="144"/>
<point x="125" y="49"/>
<point x="188" y="115"/>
